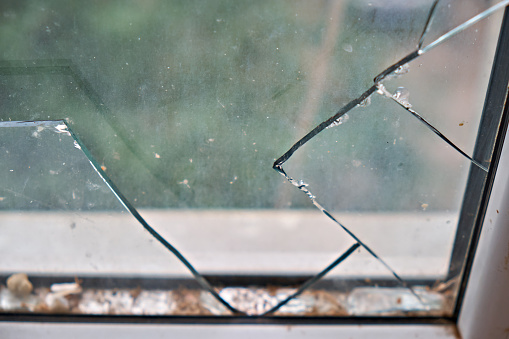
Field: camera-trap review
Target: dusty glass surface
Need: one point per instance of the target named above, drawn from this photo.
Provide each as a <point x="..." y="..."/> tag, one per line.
<point x="62" y="234"/>
<point x="185" y="106"/>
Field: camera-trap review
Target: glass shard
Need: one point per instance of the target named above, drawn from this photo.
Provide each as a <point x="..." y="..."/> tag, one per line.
<point x="39" y="157"/>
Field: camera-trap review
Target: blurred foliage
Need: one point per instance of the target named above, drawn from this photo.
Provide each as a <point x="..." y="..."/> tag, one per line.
<point x="198" y="98"/>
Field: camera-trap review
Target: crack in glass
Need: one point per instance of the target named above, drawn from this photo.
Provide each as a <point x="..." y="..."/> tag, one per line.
<point x="199" y="277"/>
<point x="392" y="71"/>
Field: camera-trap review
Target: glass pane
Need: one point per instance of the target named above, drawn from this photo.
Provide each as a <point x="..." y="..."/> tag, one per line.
<point x="60" y="219"/>
<point x="183" y="108"/>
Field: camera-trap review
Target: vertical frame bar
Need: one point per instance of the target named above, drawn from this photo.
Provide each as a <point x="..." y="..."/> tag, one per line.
<point x="490" y="138"/>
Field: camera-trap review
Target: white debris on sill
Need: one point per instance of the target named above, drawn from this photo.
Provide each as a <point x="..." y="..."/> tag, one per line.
<point x="374" y="301"/>
<point x="125" y="302"/>
<point x="19" y="296"/>
<point x="12" y="302"/>
<point x="154" y="302"/>
<point x="255" y="301"/>
<point x="379" y="300"/>
<point x="66" y="288"/>
<point x="138" y="302"/>
<point x="56" y="303"/>
<point x="57" y="298"/>
<point x="19" y="284"/>
<point x="106" y="302"/>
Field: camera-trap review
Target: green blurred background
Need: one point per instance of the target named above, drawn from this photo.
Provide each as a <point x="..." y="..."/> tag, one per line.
<point x="189" y="103"/>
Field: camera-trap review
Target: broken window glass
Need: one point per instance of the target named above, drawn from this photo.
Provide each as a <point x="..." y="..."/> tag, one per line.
<point x="171" y="116"/>
<point x="61" y="216"/>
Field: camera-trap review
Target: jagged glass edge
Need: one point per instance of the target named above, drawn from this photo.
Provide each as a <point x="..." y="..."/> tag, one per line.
<point x="63" y="126"/>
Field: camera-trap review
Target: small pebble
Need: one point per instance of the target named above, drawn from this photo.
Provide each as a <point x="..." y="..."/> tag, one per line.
<point x="19" y="284"/>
